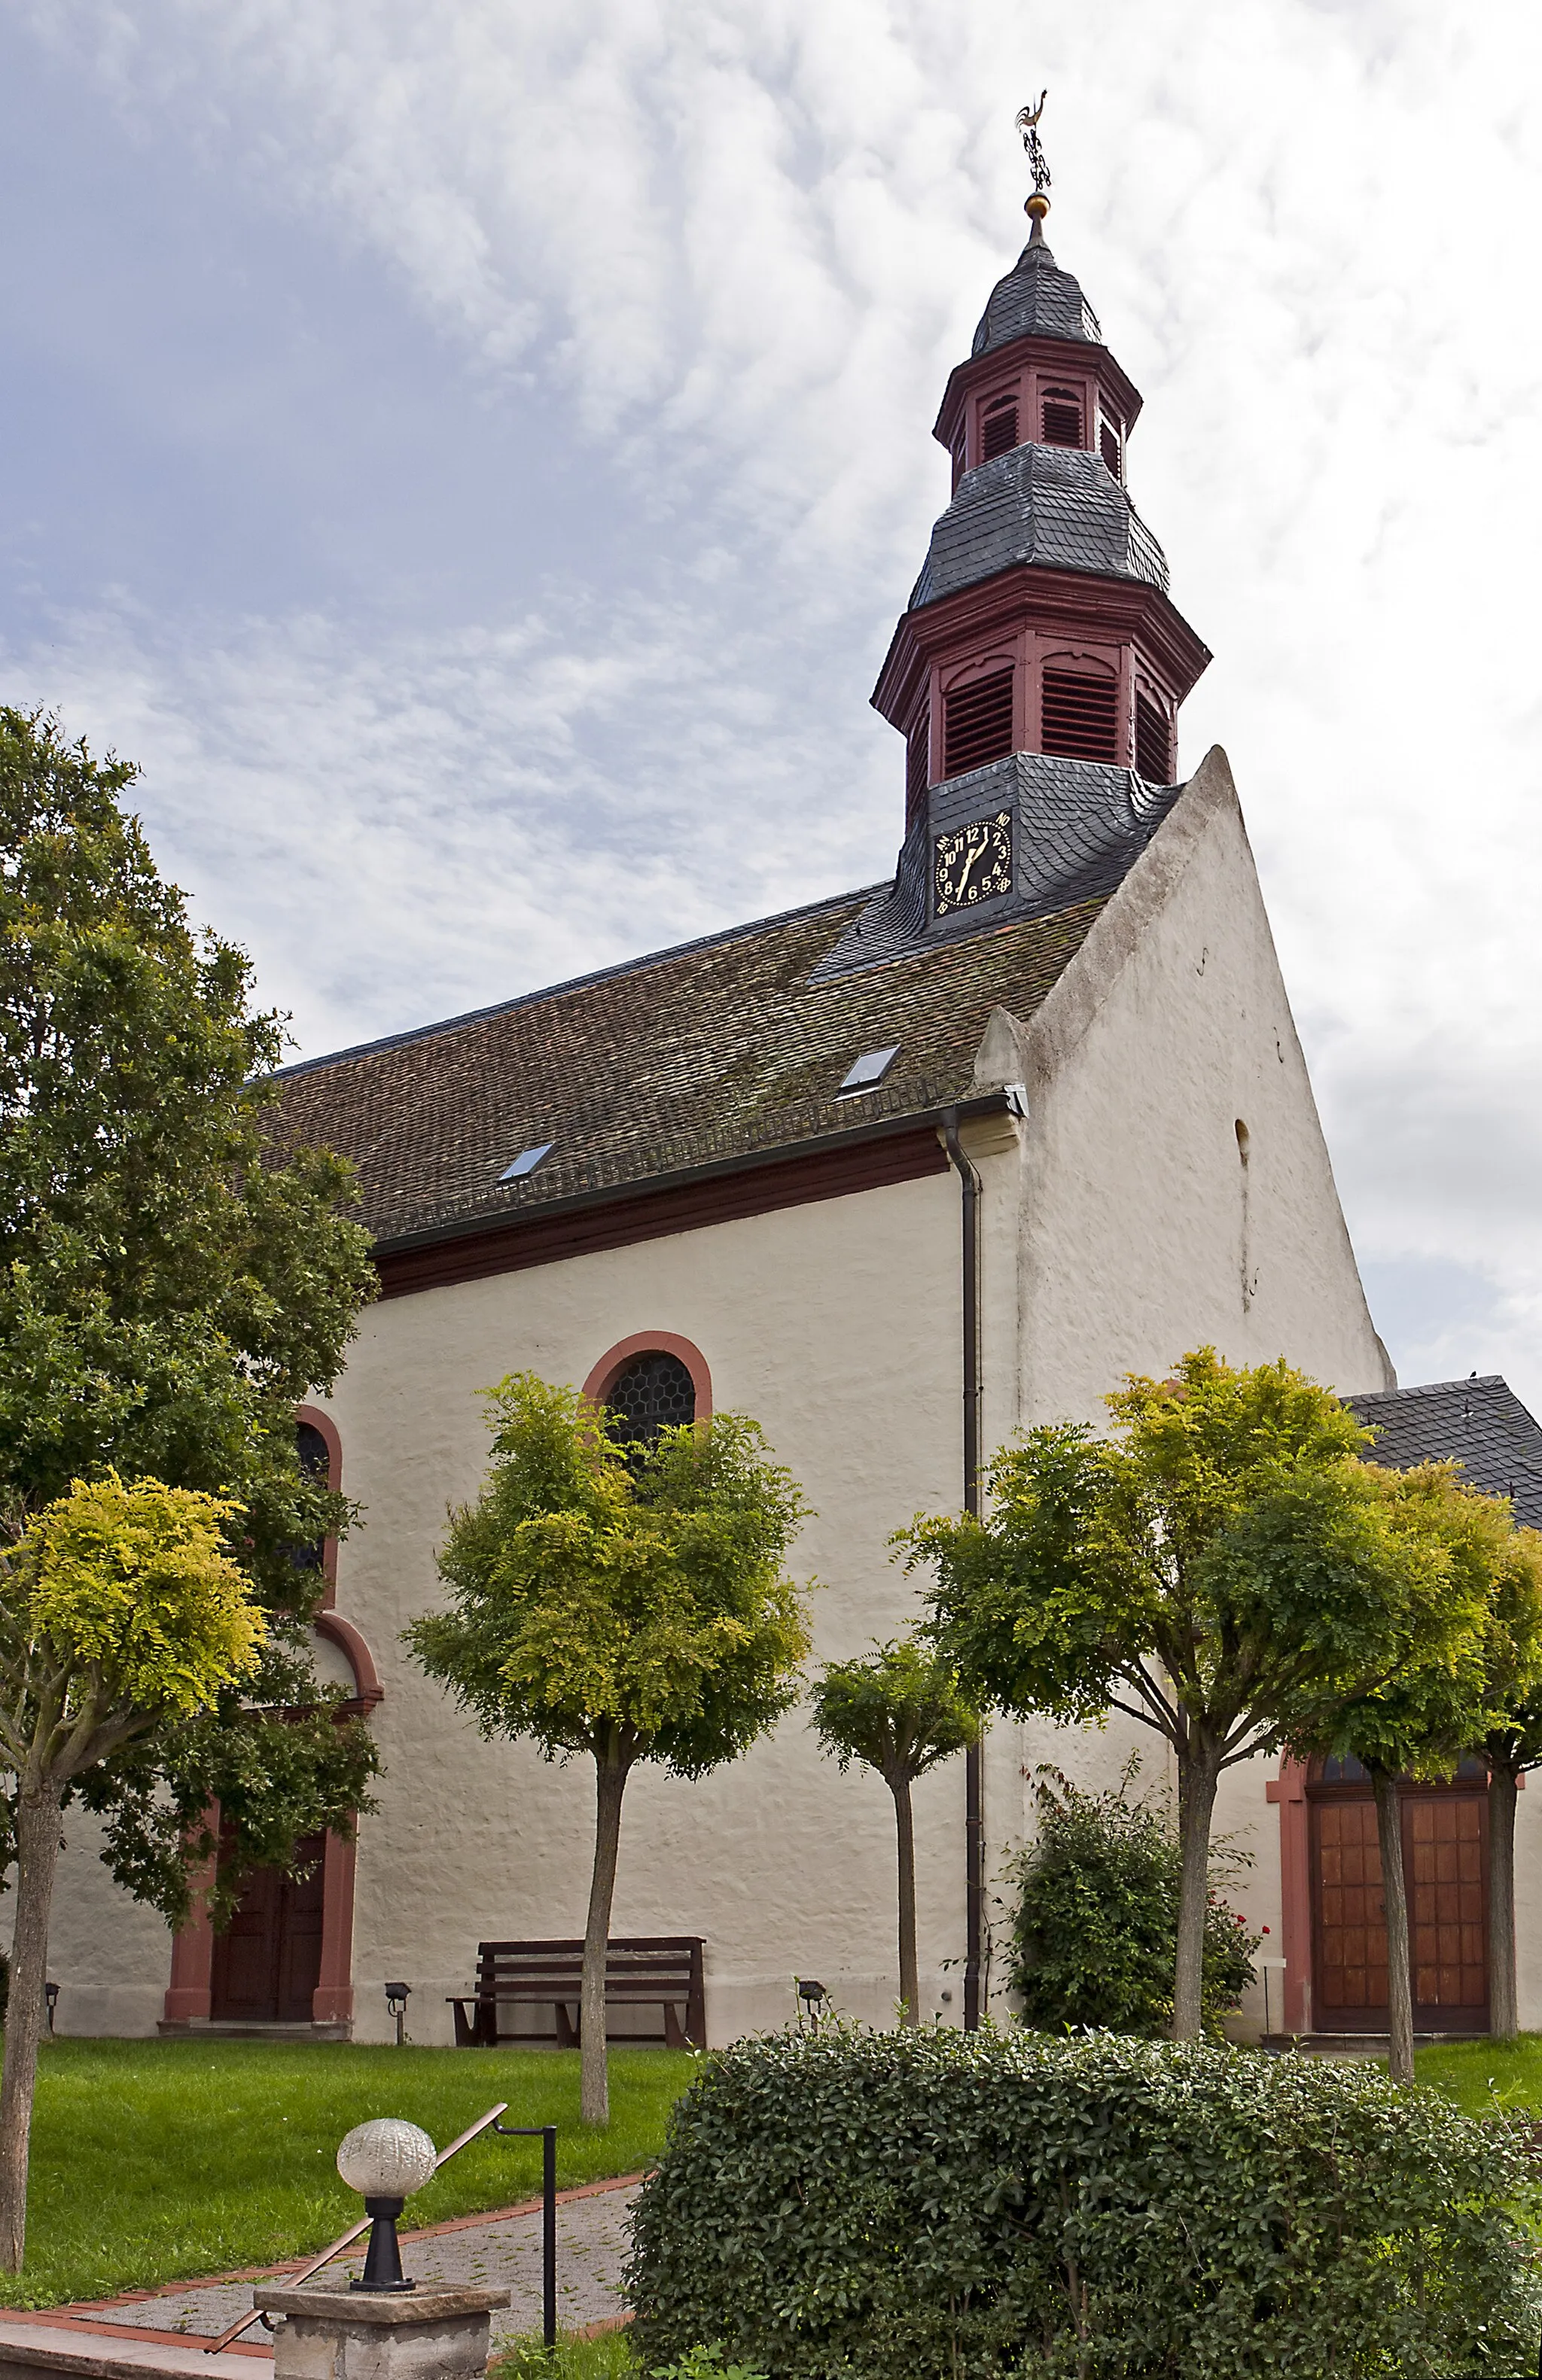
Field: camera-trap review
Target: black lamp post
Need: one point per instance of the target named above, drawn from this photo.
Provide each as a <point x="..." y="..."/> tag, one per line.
<point x="396" y="1997"/>
<point x="812" y="1996"/>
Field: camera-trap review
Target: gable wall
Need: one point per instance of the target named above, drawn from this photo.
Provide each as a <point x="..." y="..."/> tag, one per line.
<point x="1140" y="1236"/>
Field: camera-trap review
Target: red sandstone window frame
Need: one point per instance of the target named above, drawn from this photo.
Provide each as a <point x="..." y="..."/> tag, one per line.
<point x="614" y="1362"/>
<point x="326" y="1430"/>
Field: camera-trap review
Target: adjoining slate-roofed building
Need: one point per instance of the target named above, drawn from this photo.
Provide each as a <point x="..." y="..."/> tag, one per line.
<point x="1050" y="1068"/>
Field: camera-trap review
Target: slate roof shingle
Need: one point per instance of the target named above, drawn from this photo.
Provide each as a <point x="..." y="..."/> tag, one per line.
<point x="1055" y="506"/>
<point x="713" y="1050"/>
<point x="1035" y="296"/>
<point x="1480" y="1422"/>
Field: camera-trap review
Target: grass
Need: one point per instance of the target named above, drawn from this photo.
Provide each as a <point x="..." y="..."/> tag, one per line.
<point x="157" y="2161"/>
<point x="609" y="2357"/>
<point x="1483" y="2075"/>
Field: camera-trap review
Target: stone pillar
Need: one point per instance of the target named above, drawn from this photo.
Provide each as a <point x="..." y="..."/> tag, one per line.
<point x="337" y="2332"/>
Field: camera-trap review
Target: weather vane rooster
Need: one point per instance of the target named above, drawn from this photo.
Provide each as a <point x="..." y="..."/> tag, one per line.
<point x="1028" y="125"/>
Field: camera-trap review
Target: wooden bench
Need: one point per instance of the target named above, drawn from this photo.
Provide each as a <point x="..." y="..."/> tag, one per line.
<point x="664" y="1970"/>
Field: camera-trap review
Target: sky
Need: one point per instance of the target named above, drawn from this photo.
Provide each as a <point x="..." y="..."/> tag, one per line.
<point x="471" y="454"/>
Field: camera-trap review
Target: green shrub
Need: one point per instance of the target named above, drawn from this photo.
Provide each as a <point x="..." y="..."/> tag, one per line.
<point x="1094" y="1932"/>
<point x="894" y="2207"/>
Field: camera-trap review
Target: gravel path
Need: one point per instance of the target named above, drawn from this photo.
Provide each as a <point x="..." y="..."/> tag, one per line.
<point x="502" y="2253"/>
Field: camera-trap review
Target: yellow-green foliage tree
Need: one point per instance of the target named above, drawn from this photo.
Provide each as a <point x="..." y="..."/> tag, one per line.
<point x="119" y="1609"/>
<point x="899" y="1711"/>
<point x="1222" y="1561"/>
<point x="628" y="1604"/>
<point x="1463" y="1650"/>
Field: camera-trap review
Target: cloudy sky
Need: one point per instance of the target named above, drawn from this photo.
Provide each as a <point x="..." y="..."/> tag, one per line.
<point x="471" y="453"/>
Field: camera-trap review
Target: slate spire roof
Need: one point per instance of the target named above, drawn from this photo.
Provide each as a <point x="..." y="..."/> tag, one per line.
<point x="1035" y="297"/>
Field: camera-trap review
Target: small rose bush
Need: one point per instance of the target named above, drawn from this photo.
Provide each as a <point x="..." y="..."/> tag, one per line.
<point x="894" y="2207"/>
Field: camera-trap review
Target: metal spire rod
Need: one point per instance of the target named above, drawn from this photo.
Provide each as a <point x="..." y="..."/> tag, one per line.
<point x="1028" y="125"/>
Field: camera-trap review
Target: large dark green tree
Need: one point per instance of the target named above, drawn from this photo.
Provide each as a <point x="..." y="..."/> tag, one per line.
<point x="172" y="1281"/>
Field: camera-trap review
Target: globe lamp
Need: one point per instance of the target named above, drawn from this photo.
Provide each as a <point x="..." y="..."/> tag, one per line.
<point x="385" y="2161"/>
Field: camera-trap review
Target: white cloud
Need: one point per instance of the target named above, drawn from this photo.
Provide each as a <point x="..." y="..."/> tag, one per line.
<point x="736" y="244"/>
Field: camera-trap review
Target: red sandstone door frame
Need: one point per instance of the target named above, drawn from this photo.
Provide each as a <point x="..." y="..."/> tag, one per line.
<point x="1289" y="1793"/>
<point x="189" y="1993"/>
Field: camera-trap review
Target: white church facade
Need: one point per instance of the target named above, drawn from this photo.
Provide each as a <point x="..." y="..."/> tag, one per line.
<point x="898" y="1173"/>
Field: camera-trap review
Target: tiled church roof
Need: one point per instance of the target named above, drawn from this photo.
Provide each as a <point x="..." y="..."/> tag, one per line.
<point x="1480" y="1422"/>
<point x="710" y="1052"/>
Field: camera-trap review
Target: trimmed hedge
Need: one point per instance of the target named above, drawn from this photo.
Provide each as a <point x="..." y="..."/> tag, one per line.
<point x="890" y="2206"/>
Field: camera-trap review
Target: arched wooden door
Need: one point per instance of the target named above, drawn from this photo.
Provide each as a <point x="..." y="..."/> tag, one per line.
<point x="267" y="1963"/>
<point x="1445" y="1856"/>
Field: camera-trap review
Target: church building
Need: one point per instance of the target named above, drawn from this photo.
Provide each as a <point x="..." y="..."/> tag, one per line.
<point x="898" y="1173"/>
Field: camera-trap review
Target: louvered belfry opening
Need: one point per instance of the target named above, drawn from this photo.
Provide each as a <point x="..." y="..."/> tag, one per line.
<point x="1110" y="446"/>
<point x="977" y="722"/>
<point x="1080" y="718"/>
<point x="998" y="431"/>
<point x="917" y="765"/>
<point x="1062" y="418"/>
<point x="1152" y="742"/>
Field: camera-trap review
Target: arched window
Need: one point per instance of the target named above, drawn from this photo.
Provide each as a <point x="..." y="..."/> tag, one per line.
<point x="655" y="1392"/>
<point x="321" y="1458"/>
<point x="977" y="722"/>
<point x="1079" y="715"/>
<point x="1152" y="742"/>
<point x="918" y="769"/>
<point x="1061" y="414"/>
<point x="999" y="427"/>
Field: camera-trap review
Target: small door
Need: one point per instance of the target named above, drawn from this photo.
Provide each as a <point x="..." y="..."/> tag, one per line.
<point x="267" y="1965"/>
<point x="1445" y="1847"/>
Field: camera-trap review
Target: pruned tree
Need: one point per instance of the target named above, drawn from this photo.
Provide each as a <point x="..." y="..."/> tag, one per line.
<point x="1456" y="1644"/>
<point x="1222" y="1557"/>
<point x="119" y="1608"/>
<point x="1512" y="1745"/>
<point x="899" y="1711"/>
<point x="626" y="1604"/>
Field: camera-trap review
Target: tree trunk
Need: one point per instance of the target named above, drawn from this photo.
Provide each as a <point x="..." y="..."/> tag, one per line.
<point x="1503" y="2019"/>
<point x="610" y="1780"/>
<point x="909" y="1984"/>
<point x="37" y="1856"/>
<point x="1394" y="1903"/>
<point x="1199" y="1768"/>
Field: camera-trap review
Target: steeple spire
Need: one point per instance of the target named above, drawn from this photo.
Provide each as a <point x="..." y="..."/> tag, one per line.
<point x="1037" y="671"/>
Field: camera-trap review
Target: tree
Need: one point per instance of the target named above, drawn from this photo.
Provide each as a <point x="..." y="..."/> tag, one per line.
<point x="1455" y="1642"/>
<point x="1223" y="1558"/>
<point x="623" y="1603"/>
<point x="1512" y="1745"/>
<point x="899" y="1712"/>
<point x="173" y="1281"/>
<point x="118" y="1607"/>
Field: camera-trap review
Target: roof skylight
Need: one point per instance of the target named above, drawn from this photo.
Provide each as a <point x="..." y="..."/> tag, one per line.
<point x="527" y="1161"/>
<point x="870" y="1069"/>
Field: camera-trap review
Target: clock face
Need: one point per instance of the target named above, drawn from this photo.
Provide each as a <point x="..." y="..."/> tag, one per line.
<point x="971" y="862"/>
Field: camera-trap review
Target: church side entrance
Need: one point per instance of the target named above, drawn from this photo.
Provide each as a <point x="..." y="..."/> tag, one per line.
<point x="1445" y="1857"/>
<point x="266" y="1966"/>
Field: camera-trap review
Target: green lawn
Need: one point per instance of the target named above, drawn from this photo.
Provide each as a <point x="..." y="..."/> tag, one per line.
<point x="1482" y="2074"/>
<point x="157" y="2160"/>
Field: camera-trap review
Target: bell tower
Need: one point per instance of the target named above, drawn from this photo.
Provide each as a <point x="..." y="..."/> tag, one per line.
<point x="1037" y="671"/>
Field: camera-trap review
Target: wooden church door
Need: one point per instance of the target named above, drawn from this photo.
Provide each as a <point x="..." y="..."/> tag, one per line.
<point x="1445" y="1854"/>
<point x="268" y="1964"/>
